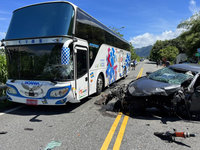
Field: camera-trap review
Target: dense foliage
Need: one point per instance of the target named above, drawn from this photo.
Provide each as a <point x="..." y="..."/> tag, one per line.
<point x="134" y="56"/>
<point x="191" y="38"/>
<point x="169" y="53"/>
<point x="3" y="69"/>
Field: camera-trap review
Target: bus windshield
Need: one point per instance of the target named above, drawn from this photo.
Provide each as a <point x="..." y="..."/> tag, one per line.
<point x="38" y="62"/>
<point x="43" y="20"/>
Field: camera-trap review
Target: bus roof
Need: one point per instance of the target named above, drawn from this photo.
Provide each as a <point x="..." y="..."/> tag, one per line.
<point x="75" y="7"/>
<point x="46" y="3"/>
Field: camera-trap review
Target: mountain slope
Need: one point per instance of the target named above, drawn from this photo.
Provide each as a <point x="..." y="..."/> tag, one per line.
<point x="144" y="51"/>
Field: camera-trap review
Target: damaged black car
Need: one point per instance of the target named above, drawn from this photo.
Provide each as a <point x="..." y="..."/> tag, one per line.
<point x="175" y="88"/>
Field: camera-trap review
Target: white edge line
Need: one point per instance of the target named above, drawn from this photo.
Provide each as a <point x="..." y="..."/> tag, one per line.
<point x="11" y="110"/>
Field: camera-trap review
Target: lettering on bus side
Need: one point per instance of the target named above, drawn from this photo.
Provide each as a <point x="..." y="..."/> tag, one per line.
<point x="94" y="45"/>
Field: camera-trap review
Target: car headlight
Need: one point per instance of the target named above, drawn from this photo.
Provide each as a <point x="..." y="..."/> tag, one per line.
<point x="11" y="90"/>
<point x="59" y="92"/>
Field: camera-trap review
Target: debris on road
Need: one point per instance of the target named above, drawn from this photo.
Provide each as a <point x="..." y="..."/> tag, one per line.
<point x="28" y="129"/>
<point x="118" y="92"/>
<point x="3" y="132"/>
<point x="170" y="136"/>
<point x="53" y="144"/>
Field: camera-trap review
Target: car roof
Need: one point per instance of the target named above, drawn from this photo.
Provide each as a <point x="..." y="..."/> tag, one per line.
<point x="195" y="68"/>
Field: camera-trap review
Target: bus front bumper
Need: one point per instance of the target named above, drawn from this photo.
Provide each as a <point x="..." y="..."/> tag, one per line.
<point x="34" y="101"/>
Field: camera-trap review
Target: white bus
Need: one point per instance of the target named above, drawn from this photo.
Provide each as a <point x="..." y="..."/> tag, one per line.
<point x="57" y="53"/>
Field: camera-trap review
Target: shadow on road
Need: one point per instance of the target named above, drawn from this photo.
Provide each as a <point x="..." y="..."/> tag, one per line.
<point x="46" y="110"/>
<point x="163" y="116"/>
<point x="153" y="114"/>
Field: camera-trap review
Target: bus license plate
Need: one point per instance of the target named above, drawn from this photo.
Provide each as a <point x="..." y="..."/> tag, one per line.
<point x="31" y="102"/>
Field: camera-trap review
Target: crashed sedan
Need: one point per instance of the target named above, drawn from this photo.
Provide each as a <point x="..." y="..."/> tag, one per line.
<point x="175" y="88"/>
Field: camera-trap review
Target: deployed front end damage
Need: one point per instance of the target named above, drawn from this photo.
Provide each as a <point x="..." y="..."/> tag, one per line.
<point x="156" y="94"/>
<point x="140" y="88"/>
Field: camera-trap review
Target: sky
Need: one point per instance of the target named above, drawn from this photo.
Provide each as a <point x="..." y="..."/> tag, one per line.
<point x="142" y="22"/>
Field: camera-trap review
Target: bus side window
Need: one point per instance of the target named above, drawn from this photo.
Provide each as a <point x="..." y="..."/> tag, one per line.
<point x="83" y="27"/>
<point x="81" y="63"/>
<point x="109" y="38"/>
<point x="93" y="54"/>
<point x="98" y="33"/>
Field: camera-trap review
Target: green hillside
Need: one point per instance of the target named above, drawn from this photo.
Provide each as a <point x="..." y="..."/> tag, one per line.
<point x="144" y="51"/>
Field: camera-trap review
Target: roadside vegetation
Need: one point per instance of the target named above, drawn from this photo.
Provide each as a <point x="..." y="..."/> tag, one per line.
<point x="3" y="68"/>
<point x="187" y="42"/>
<point x="3" y="77"/>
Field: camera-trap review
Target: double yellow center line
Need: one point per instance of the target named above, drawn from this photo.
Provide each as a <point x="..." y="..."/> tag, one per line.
<point x="114" y="126"/>
<point x="140" y="73"/>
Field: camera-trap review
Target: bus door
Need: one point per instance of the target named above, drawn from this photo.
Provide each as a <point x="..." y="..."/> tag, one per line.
<point x="81" y="71"/>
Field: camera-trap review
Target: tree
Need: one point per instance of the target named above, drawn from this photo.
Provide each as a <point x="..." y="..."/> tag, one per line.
<point x="117" y="30"/>
<point x="133" y="54"/>
<point x="154" y="54"/>
<point x="3" y="67"/>
<point x="169" y="53"/>
<point x="191" y="37"/>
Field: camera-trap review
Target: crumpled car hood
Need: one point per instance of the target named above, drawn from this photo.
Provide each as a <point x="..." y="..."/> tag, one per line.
<point x="148" y="87"/>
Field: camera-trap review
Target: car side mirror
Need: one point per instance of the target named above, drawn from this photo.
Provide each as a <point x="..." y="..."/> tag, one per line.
<point x="148" y="73"/>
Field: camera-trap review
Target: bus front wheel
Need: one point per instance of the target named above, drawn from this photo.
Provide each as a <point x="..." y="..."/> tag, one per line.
<point x="99" y="85"/>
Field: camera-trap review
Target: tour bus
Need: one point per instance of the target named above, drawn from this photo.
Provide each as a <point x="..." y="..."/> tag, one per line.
<point x="57" y="53"/>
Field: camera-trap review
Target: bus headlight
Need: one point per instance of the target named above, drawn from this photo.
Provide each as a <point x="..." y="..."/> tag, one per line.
<point x="59" y="92"/>
<point x="11" y="90"/>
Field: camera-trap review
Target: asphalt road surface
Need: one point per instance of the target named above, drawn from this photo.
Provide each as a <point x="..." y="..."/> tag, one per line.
<point x="86" y="126"/>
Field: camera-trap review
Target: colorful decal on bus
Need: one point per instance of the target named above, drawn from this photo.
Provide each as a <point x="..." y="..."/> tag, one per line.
<point x="92" y="74"/>
<point x="128" y="60"/>
<point x="65" y="55"/>
<point x="111" y="71"/>
<point x="82" y="92"/>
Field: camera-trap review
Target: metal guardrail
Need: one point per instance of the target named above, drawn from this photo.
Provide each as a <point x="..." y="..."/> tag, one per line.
<point x="3" y="87"/>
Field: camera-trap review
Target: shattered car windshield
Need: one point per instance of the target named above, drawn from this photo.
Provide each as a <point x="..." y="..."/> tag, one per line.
<point x="169" y="76"/>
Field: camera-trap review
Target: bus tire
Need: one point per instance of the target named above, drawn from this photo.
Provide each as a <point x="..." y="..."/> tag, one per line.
<point x="99" y="85"/>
